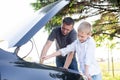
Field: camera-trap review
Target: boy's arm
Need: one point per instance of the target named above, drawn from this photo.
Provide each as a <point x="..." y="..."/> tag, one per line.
<point x="51" y="55"/>
<point x="87" y="73"/>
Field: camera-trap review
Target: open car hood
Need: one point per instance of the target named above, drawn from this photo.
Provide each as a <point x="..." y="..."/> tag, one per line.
<point x="37" y="22"/>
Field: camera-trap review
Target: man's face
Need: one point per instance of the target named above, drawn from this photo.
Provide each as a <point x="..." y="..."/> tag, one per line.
<point x="82" y="36"/>
<point x="65" y="29"/>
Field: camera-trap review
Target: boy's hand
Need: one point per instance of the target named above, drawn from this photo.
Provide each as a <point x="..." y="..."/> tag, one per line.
<point x="50" y="56"/>
<point x="88" y="77"/>
<point x="45" y="57"/>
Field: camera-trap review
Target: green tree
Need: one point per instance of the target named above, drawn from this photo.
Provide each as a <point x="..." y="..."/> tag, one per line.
<point x="82" y="8"/>
<point x="107" y="27"/>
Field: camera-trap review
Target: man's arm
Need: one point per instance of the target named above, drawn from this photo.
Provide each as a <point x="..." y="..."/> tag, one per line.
<point x="70" y="56"/>
<point x="68" y="60"/>
<point x="45" y="49"/>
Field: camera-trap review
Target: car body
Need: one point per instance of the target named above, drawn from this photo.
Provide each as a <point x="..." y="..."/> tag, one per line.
<point x="12" y="67"/>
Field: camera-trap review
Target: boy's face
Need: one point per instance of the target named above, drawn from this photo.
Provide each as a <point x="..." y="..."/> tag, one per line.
<point x="65" y="29"/>
<point x="82" y="36"/>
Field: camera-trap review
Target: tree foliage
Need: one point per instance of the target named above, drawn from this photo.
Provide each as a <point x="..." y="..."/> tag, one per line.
<point x="108" y="26"/>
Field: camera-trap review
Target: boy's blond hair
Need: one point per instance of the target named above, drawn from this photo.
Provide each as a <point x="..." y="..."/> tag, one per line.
<point x="85" y="27"/>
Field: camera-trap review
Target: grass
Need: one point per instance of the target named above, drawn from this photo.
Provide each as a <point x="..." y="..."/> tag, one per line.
<point x="109" y="76"/>
<point x="108" y="73"/>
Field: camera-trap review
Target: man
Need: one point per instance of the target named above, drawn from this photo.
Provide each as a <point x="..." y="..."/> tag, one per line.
<point x="63" y="35"/>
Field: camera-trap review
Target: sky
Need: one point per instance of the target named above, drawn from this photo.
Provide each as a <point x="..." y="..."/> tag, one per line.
<point x="12" y="14"/>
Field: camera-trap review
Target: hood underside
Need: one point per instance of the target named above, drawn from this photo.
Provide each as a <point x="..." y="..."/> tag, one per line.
<point x="38" y="20"/>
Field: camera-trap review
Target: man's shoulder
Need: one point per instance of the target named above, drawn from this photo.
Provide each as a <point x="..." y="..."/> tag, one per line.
<point x="57" y="28"/>
<point x="73" y="32"/>
<point x="56" y="31"/>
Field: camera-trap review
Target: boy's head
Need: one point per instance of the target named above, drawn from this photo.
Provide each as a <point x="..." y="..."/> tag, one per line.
<point x="67" y="25"/>
<point x="84" y="31"/>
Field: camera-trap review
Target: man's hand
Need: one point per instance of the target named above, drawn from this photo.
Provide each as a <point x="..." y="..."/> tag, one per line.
<point x="41" y="60"/>
<point x="44" y="50"/>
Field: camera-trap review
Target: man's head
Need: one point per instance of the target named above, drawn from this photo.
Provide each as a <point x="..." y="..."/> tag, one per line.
<point x="84" y="31"/>
<point x="67" y="25"/>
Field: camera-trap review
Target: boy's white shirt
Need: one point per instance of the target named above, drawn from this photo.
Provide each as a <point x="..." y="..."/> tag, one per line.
<point x="85" y="54"/>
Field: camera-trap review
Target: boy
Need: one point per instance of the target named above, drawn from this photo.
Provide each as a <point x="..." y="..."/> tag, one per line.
<point x="85" y="48"/>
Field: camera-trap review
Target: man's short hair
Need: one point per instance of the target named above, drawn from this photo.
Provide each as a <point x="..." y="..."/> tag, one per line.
<point x="68" y="21"/>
